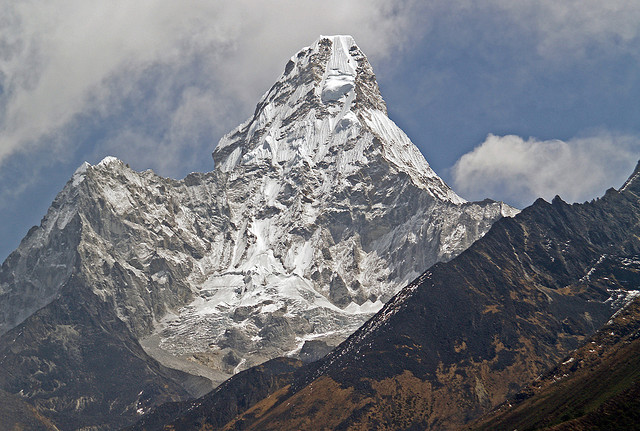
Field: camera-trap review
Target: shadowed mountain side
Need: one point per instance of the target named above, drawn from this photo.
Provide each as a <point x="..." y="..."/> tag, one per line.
<point x="596" y="387"/>
<point x="468" y="334"/>
<point x="233" y="397"/>
<point x="77" y="364"/>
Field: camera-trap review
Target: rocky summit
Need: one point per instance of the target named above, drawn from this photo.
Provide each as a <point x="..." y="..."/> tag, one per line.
<point x="318" y="210"/>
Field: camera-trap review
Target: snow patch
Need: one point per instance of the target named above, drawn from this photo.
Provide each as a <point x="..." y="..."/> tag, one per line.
<point x="366" y="307"/>
<point x="79" y="174"/>
<point x="108" y="160"/>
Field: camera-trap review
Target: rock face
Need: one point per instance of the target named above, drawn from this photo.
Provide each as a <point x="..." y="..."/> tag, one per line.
<point x="319" y="209"/>
<point x="467" y="334"/>
<point x="221" y="405"/>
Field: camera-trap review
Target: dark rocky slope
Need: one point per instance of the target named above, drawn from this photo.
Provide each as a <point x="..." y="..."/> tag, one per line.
<point x="233" y="397"/>
<point x="75" y="363"/>
<point x="596" y="387"/>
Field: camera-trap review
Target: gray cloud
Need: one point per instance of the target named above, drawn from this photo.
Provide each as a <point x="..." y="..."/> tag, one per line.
<point x="519" y="170"/>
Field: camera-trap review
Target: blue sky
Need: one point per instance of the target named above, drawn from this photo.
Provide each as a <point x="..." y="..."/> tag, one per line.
<point x="508" y="100"/>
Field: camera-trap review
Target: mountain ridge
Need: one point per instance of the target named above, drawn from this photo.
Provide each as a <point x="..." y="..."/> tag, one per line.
<point x="595" y="387"/>
<point x="318" y="210"/>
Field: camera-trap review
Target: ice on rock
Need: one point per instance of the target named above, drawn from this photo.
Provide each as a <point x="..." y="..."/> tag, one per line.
<point x="336" y="86"/>
<point x="340" y="72"/>
<point x="78" y="175"/>
<point x="82" y="169"/>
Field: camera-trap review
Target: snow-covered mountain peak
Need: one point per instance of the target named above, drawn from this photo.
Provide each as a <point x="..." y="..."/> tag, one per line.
<point x="107" y="164"/>
<point x="319" y="209"/>
<point x="325" y="112"/>
<point x="109" y="160"/>
<point x="340" y="72"/>
<point x="295" y="120"/>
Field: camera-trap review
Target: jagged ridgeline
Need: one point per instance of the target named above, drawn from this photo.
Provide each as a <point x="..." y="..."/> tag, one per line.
<point x="318" y="211"/>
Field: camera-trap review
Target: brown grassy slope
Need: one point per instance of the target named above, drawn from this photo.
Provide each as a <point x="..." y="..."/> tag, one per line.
<point x="596" y="387"/>
<point x="18" y="415"/>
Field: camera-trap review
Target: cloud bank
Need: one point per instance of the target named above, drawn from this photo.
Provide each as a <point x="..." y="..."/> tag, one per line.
<point x="574" y="28"/>
<point x="520" y="170"/>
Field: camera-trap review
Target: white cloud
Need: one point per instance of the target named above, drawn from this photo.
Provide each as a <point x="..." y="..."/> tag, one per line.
<point x="62" y="58"/>
<point x="187" y="138"/>
<point x="518" y="171"/>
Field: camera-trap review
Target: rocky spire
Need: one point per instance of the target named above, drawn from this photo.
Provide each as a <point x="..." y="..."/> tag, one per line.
<point x="326" y="108"/>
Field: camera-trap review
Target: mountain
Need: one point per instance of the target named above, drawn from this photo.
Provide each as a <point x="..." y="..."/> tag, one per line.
<point x="468" y="334"/>
<point x="319" y="209"/>
<point x="330" y="210"/>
